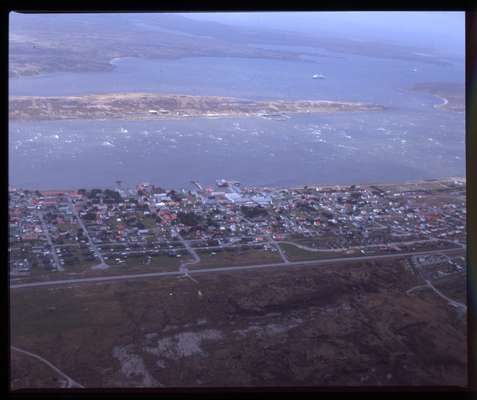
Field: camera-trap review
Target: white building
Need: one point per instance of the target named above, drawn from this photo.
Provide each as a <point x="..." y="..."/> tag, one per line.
<point x="262" y="200"/>
<point x="235" y="198"/>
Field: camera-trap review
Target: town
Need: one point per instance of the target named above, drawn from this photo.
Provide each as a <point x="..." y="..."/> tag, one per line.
<point x="148" y="228"/>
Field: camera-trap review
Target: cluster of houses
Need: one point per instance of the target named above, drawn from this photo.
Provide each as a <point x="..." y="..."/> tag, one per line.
<point x="149" y="218"/>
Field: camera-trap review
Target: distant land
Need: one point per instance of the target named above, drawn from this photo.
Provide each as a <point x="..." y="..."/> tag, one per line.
<point x="154" y="106"/>
<point x="451" y="94"/>
<point x="40" y="44"/>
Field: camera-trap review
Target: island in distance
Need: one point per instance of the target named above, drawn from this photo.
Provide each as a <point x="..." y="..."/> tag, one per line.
<point x="451" y="94"/>
<point x="155" y="105"/>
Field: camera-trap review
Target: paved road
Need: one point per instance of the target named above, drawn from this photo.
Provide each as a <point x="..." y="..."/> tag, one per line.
<point x="186" y="244"/>
<point x="429" y="285"/>
<point x="312" y="263"/>
<point x="449" y="300"/>
<point x="409" y="291"/>
<point x="50" y="242"/>
<point x="271" y="241"/>
<point x="196" y="259"/>
<point x="95" y="248"/>
<point x="277" y="246"/>
<point x="70" y="382"/>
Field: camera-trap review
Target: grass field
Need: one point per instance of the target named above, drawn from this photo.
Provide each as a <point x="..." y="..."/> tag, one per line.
<point x="453" y="286"/>
<point x="290" y="326"/>
<point x="237" y="258"/>
<point x="140" y="264"/>
<point x="294" y="253"/>
<point x="137" y="265"/>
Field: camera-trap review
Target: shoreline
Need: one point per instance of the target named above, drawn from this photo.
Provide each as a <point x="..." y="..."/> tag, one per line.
<point x="283" y="117"/>
<point x="159" y="106"/>
<point x="444" y="101"/>
<point x="451" y="95"/>
<point x="461" y="179"/>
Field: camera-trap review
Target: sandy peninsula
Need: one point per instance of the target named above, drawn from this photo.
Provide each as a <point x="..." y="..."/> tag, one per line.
<point x="156" y="106"/>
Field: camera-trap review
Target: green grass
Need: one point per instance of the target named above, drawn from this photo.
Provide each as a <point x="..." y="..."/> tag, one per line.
<point x="39" y="312"/>
<point x="148" y="222"/>
<point x="160" y="263"/>
<point x="294" y="253"/>
<point x="235" y="258"/>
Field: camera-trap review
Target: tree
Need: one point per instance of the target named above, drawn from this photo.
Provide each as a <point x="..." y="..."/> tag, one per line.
<point x="94" y="193"/>
<point x="305" y="206"/>
<point x="189" y="218"/>
<point x="112" y="195"/>
<point x="252" y="212"/>
<point x="174" y="195"/>
<point x="211" y="222"/>
<point x="158" y="190"/>
<point x="90" y="216"/>
<point x="142" y="207"/>
<point x="327" y="214"/>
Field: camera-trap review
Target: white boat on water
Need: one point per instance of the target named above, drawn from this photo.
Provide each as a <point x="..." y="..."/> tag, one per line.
<point x="318" y="76"/>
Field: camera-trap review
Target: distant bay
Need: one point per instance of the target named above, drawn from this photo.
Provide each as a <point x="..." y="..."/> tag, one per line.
<point x="411" y="140"/>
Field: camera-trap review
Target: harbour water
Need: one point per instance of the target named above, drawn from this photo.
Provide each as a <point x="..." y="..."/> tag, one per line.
<point x="410" y="140"/>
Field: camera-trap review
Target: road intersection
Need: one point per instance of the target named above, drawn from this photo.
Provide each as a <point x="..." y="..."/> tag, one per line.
<point x="312" y="263"/>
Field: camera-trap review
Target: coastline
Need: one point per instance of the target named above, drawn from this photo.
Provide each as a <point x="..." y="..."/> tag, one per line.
<point x="153" y="106"/>
<point x="451" y="95"/>
<point x="460" y="179"/>
<point x="283" y="117"/>
<point x="444" y="102"/>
